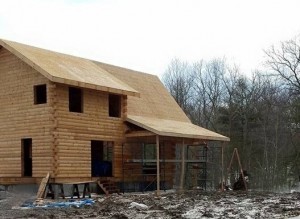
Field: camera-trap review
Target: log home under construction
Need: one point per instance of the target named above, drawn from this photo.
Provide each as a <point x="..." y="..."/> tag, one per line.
<point x="82" y="120"/>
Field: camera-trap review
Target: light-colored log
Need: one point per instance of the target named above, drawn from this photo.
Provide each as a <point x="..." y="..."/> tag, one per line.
<point x="157" y="167"/>
<point x="181" y="187"/>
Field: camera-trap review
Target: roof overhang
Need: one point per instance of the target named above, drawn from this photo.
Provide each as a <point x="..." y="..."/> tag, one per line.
<point x="173" y="128"/>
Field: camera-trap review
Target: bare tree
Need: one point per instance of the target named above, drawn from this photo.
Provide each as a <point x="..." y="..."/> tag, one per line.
<point x="208" y="91"/>
<point x="179" y="82"/>
<point x="285" y="61"/>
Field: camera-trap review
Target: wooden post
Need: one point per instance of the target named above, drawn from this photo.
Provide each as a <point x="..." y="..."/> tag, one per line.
<point x="222" y="180"/>
<point x="157" y="167"/>
<point x="182" y="166"/>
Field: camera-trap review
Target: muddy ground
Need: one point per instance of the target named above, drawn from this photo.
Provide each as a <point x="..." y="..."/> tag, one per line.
<point x="190" y="204"/>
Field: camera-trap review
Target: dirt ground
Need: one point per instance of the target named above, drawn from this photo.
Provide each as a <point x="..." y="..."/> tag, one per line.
<point x="190" y="204"/>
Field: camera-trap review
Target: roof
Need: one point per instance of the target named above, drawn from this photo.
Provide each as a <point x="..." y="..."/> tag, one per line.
<point x="67" y="69"/>
<point x="156" y="110"/>
<point x="173" y="128"/>
<point x="154" y="101"/>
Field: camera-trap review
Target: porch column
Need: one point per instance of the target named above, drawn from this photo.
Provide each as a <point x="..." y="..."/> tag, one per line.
<point x="222" y="170"/>
<point x="157" y="167"/>
<point x="181" y="186"/>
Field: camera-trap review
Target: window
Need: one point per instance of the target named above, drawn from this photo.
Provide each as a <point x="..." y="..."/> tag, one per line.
<point x="114" y="105"/>
<point x="75" y="100"/>
<point x="40" y="94"/>
<point x="149" y="152"/>
<point x="149" y="167"/>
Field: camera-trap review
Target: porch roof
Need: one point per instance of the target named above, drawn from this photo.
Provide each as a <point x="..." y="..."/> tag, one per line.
<point x="173" y="128"/>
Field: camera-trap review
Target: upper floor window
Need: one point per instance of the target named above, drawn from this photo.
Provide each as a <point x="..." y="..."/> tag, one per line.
<point x="40" y="94"/>
<point x="75" y="100"/>
<point x="114" y="105"/>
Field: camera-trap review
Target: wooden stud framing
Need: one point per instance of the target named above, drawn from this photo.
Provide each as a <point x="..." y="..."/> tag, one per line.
<point x="157" y="167"/>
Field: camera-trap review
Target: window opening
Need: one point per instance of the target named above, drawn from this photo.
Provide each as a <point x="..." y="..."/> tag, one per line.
<point x="149" y="152"/>
<point x="75" y="100"/>
<point x="114" y="105"/>
<point x="40" y="94"/>
<point x="149" y="157"/>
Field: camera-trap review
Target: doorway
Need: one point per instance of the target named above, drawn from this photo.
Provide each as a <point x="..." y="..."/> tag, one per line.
<point x="26" y="152"/>
<point x="101" y="158"/>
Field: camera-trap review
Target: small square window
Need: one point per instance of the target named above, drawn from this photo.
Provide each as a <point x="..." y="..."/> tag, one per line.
<point x="75" y="100"/>
<point x="114" y="105"/>
<point x="40" y="94"/>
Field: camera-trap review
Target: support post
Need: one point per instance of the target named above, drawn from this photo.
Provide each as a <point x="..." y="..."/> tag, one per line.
<point x="182" y="166"/>
<point x="222" y="180"/>
<point x="157" y="167"/>
<point x="123" y="170"/>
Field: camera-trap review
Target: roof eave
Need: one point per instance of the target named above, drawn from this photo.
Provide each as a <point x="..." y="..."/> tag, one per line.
<point x="62" y="80"/>
<point x="94" y="87"/>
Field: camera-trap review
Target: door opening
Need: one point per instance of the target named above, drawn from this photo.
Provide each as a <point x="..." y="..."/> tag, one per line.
<point x="101" y="158"/>
<point x="26" y="157"/>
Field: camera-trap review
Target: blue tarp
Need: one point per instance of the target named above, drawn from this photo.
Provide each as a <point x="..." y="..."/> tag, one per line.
<point x="64" y="204"/>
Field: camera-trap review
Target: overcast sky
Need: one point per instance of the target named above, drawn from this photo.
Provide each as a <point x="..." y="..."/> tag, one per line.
<point x="146" y="35"/>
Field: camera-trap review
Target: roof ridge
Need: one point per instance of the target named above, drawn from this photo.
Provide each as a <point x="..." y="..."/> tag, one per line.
<point x="124" y="68"/>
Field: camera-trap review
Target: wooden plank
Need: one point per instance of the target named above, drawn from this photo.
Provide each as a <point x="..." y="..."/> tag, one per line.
<point x="80" y="182"/>
<point x="181" y="186"/>
<point x="139" y="134"/>
<point x="157" y="167"/>
<point x="42" y="187"/>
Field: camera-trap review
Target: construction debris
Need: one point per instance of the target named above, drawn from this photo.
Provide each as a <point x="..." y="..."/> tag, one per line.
<point x="42" y="188"/>
<point x="138" y="206"/>
<point x="242" y="182"/>
<point x="190" y="204"/>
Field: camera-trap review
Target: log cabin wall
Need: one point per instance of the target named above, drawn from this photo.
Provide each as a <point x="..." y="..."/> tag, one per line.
<point x="61" y="140"/>
<point x="21" y="118"/>
<point x="75" y="131"/>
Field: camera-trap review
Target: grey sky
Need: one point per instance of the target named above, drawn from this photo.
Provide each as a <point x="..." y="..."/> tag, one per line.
<point x="146" y="35"/>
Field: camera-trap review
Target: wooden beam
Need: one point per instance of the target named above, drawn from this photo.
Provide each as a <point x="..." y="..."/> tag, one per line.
<point x="182" y="166"/>
<point x="139" y="134"/>
<point x="157" y="167"/>
<point x="42" y="187"/>
<point x="222" y="170"/>
<point x="200" y="160"/>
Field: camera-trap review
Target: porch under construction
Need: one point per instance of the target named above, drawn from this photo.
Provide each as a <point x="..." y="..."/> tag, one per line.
<point x="160" y="155"/>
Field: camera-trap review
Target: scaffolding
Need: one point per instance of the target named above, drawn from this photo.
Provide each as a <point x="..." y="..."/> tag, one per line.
<point x="203" y="167"/>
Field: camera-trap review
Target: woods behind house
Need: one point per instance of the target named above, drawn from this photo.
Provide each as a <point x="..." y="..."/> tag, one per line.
<point x="260" y="114"/>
